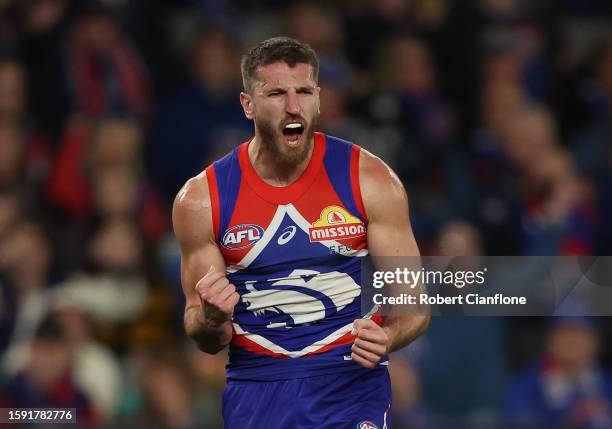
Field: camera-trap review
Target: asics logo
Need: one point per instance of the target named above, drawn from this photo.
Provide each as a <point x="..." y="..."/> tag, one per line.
<point x="287" y="235"/>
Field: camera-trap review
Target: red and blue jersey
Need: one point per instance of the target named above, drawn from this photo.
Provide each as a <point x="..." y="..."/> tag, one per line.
<point x="294" y="255"/>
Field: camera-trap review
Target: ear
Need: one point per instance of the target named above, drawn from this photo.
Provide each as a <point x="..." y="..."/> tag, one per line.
<point x="247" y="105"/>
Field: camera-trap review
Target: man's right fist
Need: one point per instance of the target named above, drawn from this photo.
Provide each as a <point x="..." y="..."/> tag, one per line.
<point x="218" y="297"/>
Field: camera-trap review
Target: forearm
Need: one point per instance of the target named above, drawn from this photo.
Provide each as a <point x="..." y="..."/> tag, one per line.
<point x="403" y="327"/>
<point x="402" y="330"/>
<point x="210" y="337"/>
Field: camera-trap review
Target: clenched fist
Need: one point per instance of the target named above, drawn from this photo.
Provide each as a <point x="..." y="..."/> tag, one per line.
<point x="218" y="297"/>
<point x="371" y="342"/>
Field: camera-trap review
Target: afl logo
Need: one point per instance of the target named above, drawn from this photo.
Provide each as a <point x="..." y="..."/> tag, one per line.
<point x="242" y="236"/>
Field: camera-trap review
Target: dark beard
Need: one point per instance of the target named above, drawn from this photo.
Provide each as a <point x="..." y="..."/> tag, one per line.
<point x="285" y="162"/>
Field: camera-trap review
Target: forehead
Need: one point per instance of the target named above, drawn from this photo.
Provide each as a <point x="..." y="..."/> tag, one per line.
<point x="281" y="74"/>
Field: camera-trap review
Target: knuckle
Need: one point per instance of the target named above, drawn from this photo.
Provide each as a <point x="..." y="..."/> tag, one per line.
<point x="218" y="300"/>
<point x="204" y="284"/>
<point x="208" y="278"/>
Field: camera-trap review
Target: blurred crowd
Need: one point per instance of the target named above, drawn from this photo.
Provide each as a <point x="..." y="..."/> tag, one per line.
<point x="496" y="115"/>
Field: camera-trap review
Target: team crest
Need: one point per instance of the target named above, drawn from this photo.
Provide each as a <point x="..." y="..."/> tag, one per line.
<point x="242" y="236"/>
<point x="304" y="296"/>
<point x="336" y="223"/>
<point x="366" y="425"/>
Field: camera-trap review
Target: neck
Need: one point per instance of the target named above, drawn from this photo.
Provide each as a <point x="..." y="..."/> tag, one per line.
<point x="273" y="171"/>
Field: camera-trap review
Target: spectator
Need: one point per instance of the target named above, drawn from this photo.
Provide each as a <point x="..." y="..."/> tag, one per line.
<point x="104" y="71"/>
<point x="494" y="202"/>
<point x="462" y="389"/>
<point x="165" y="386"/>
<point x="46" y="380"/>
<point x="327" y="41"/>
<point x="95" y="369"/>
<point x="408" y="102"/>
<point x="99" y="172"/>
<point x="26" y="258"/>
<point x="566" y="387"/>
<point x="114" y="288"/>
<point x="12" y="90"/>
<point x="557" y="208"/>
<point x="202" y="119"/>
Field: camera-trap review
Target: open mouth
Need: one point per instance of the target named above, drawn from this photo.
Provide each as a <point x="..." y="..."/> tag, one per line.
<point x="293" y="131"/>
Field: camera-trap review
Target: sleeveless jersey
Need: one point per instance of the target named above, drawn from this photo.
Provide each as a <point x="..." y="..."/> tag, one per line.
<point x="294" y="255"/>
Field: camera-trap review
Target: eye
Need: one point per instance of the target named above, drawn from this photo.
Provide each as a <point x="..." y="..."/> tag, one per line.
<point x="305" y="91"/>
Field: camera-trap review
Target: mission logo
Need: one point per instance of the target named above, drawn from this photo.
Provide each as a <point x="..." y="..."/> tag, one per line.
<point x="242" y="236"/>
<point x="335" y="223"/>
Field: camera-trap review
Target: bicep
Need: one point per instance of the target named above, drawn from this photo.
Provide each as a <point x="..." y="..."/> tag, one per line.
<point x="386" y="204"/>
<point x="391" y="235"/>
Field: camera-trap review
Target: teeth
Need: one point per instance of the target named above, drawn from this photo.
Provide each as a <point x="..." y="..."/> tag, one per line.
<point x="292" y="126"/>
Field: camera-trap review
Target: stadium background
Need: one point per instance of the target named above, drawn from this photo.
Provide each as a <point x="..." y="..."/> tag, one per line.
<point x="496" y="114"/>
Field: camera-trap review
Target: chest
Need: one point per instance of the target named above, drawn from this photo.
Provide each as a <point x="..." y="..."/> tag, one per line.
<point x="317" y="225"/>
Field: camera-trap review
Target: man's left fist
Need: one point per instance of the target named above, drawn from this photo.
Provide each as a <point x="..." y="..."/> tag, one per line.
<point x="371" y="343"/>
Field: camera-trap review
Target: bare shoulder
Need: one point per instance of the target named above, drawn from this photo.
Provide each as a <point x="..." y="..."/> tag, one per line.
<point x="381" y="189"/>
<point x="192" y="210"/>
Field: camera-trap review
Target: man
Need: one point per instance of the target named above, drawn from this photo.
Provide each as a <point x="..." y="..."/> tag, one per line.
<point x="566" y="387"/>
<point x="272" y="237"/>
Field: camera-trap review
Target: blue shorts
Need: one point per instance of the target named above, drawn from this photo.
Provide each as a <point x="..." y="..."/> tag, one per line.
<point x="351" y="400"/>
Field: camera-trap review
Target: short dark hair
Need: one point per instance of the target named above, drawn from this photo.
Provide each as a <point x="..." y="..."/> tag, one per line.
<point x="277" y="49"/>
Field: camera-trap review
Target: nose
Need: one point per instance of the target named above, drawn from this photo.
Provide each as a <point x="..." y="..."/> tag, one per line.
<point x="293" y="104"/>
